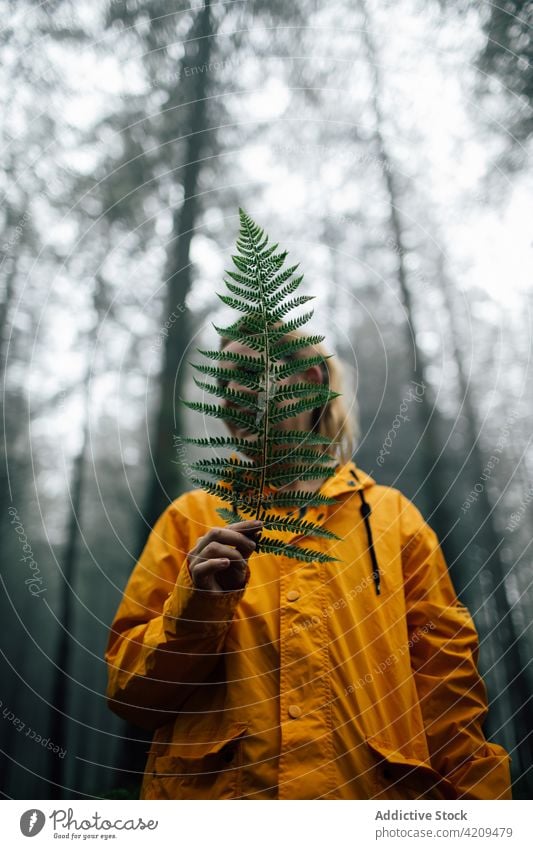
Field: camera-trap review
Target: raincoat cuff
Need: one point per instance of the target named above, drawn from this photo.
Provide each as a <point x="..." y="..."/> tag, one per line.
<point x="198" y="609"/>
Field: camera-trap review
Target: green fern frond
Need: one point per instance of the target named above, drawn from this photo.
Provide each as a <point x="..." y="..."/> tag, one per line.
<point x="291" y="325"/>
<point x="231" y="516"/>
<point x="282" y="291"/>
<point x="300" y="473"/>
<point x="223" y="464"/>
<point x="255" y="363"/>
<point x="238" y="334"/>
<point x="286" y="393"/>
<point x="243" y="293"/>
<point x="298" y="526"/>
<point x="306" y="554"/>
<point x="270" y="268"/>
<point x="225" y="375"/>
<point x="237" y="304"/>
<point x="292" y="410"/>
<point x="279" y="313"/>
<point x="295" y="366"/>
<point x="281" y="350"/>
<point x="262" y="292"/>
<point x="298" y="453"/>
<point x="228" y="394"/>
<point x="243" y="445"/>
<point x="246" y="325"/>
<point x="296" y="499"/>
<point x="244" y="280"/>
<point x="301" y="436"/>
<point x="232" y="414"/>
<point x="222" y="492"/>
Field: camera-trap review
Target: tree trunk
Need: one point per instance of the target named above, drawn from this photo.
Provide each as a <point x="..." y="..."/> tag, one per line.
<point x="166" y="481"/>
<point x="8" y="466"/>
<point x="60" y="718"/>
<point x="433" y="486"/>
<point x="508" y="680"/>
<point x="5" y="310"/>
<point x="509" y="676"/>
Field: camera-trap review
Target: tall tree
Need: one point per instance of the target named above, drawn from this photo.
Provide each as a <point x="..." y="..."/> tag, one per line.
<point x="28" y="129"/>
<point x="429" y="451"/>
<point x="508" y="58"/>
<point x="165" y="480"/>
<point x="509" y="681"/>
<point x="60" y="702"/>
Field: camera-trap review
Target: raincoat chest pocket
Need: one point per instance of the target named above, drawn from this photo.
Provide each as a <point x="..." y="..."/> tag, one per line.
<point x="397" y="777"/>
<point x="208" y="769"/>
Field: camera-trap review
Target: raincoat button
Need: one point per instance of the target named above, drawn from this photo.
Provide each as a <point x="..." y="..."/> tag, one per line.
<point x="293" y="595"/>
<point x="294" y="711"/>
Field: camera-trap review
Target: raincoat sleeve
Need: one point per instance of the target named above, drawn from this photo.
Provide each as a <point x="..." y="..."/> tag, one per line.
<point x="167" y="635"/>
<point x="444" y="650"/>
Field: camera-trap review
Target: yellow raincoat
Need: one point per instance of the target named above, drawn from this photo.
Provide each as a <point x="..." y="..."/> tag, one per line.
<point x="354" y="679"/>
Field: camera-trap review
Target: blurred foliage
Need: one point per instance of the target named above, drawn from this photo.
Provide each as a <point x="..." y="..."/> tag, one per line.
<point x="508" y="57"/>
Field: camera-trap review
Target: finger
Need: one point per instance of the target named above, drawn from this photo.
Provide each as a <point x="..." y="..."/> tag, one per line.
<point x="225" y="536"/>
<point x="210" y="571"/>
<point x="251" y="532"/>
<point x="248" y="524"/>
<point x="201" y="541"/>
<point x="216" y="550"/>
<point x="204" y="579"/>
<point x="244" y="522"/>
<point x="210" y="567"/>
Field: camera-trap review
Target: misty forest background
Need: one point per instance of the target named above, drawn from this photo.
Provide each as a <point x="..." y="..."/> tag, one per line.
<point x="384" y="144"/>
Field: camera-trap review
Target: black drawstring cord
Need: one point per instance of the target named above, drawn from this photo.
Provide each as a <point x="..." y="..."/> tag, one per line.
<point x="366" y="512"/>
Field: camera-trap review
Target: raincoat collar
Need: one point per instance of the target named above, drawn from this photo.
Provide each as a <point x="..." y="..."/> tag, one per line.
<point x="347" y="478"/>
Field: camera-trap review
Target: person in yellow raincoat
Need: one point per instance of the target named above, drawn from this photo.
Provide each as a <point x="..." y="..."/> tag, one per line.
<point x="263" y="677"/>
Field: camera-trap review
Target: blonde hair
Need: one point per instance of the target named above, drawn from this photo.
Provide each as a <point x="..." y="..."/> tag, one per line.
<point x="333" y="419"/>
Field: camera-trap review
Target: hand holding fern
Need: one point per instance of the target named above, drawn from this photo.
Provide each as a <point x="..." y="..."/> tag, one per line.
<point x="218" y="561"/>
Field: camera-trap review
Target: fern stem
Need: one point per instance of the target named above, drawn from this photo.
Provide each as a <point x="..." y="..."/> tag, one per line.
<point x="266" y="373"/>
